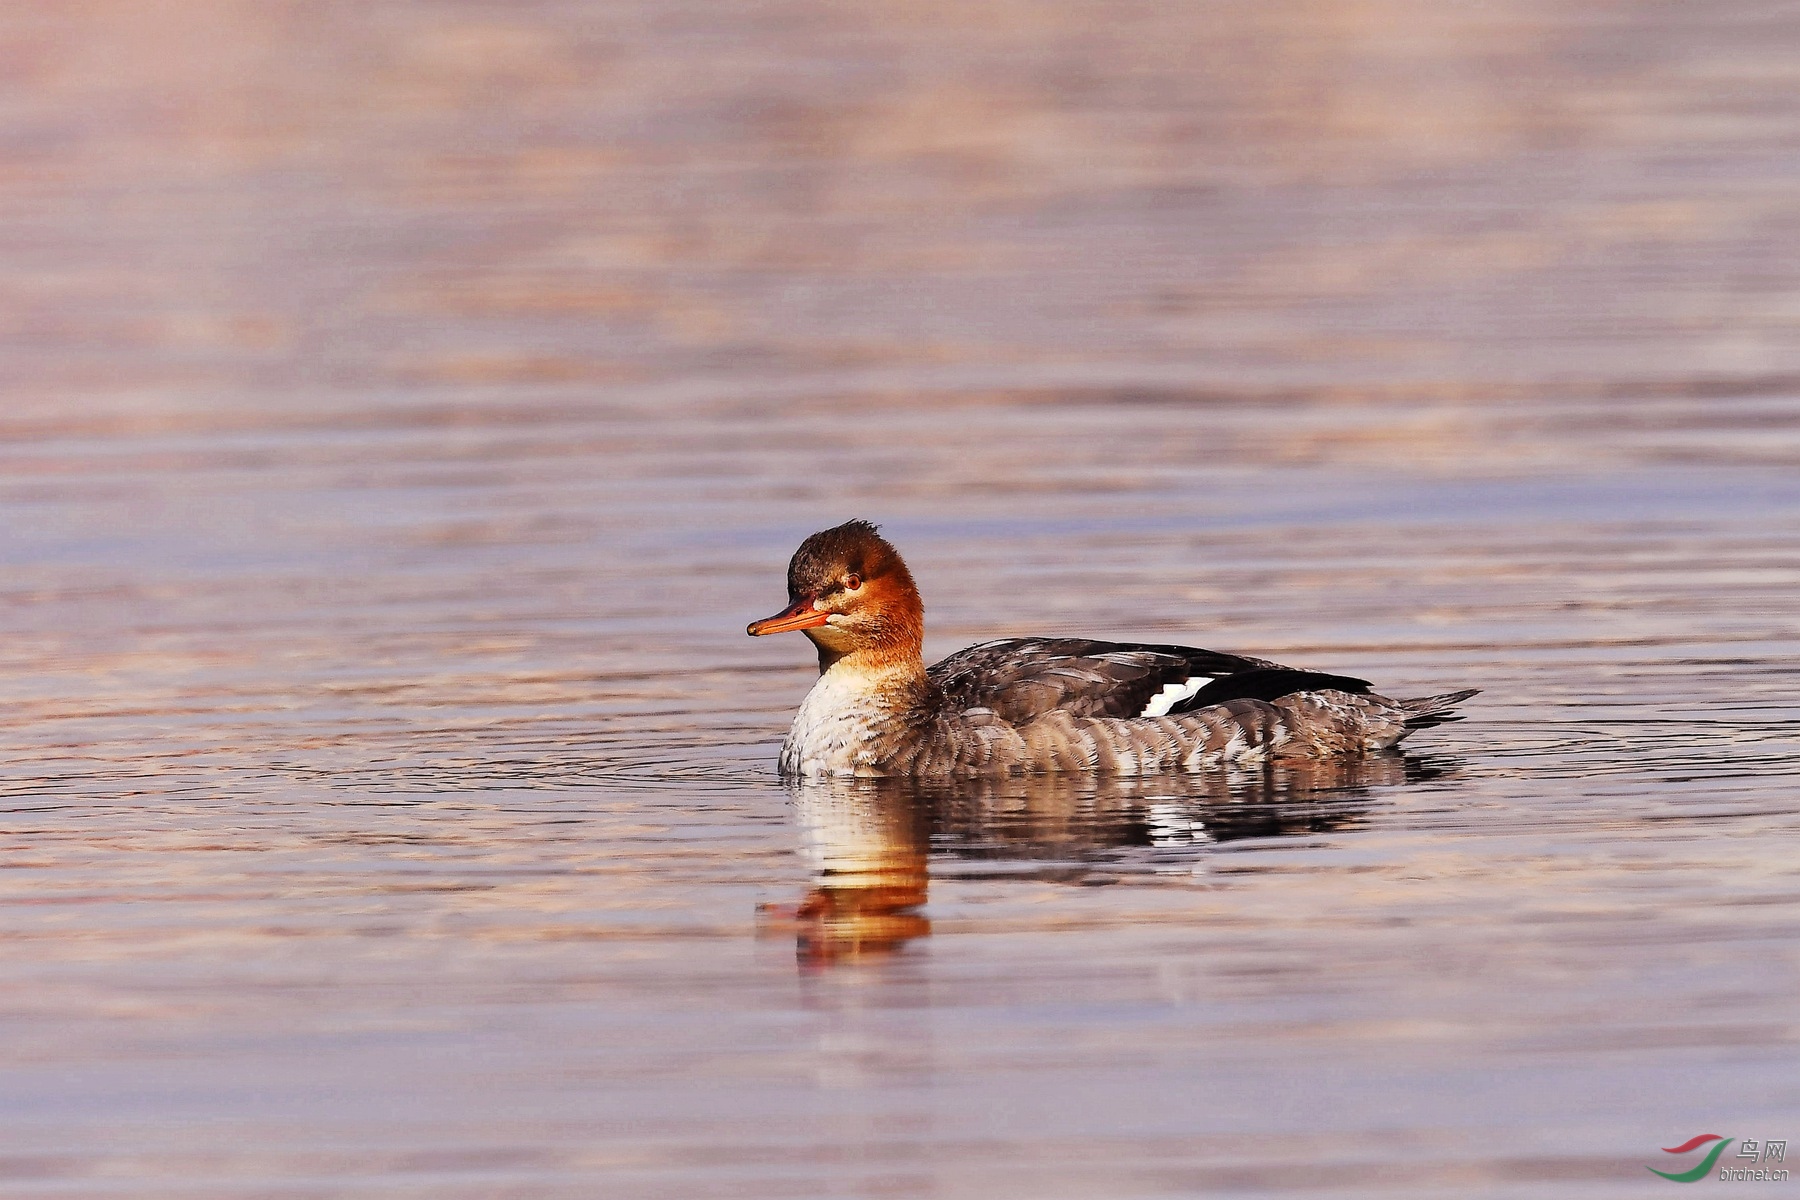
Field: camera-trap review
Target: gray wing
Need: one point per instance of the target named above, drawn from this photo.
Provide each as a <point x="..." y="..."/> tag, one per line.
<point x="1024" y="678"/>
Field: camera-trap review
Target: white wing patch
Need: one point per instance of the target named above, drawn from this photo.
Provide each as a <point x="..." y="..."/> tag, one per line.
<point x="1173" y="694"/>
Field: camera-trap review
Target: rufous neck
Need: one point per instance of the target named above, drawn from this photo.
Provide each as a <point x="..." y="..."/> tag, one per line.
<point x="900" y="662"/>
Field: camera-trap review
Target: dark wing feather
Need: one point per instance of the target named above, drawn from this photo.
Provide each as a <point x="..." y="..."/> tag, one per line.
<point x="1270" y="683"/>
<point x="1023" y="678"/>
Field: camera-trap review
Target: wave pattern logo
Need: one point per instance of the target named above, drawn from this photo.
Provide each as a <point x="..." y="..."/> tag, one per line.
<point x="1706" y="1164"/>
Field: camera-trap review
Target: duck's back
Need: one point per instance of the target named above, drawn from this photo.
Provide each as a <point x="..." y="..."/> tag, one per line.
<point x="1022" y="679"/>
<point x="1083" y="705"/>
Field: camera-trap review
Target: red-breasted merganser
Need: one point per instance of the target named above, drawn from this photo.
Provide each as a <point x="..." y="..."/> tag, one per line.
<point x="1042" y="704"/>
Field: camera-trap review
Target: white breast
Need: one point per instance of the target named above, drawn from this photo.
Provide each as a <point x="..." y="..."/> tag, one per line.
<point x="834" y="731"/>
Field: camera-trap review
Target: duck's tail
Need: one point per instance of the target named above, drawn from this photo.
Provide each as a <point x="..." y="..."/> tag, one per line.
<point x="1426" y="711"/>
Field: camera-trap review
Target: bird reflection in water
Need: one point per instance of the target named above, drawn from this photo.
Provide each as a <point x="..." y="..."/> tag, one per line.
<point x="869" y="841"/>
<point x="866" y="841"/>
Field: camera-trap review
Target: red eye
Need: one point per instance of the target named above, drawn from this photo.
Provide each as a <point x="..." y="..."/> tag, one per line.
<point x="852" y="582"/>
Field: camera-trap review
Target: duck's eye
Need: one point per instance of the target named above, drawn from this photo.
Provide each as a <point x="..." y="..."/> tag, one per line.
<point x="852" y="582"/>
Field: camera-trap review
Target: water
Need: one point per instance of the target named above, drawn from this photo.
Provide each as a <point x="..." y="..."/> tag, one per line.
<point x="403" y="415"/>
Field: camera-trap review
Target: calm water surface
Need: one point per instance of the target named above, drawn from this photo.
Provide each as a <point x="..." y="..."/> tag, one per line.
<point x="400" y="419"/>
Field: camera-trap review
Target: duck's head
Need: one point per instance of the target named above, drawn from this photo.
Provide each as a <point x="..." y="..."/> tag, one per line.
<point x="849" y="591"/>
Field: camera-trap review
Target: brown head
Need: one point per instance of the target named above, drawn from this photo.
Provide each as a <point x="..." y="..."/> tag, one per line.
<point x="851" y="594"/>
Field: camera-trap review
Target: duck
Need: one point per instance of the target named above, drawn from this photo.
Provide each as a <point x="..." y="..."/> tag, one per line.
<point x="1021" y="706"/>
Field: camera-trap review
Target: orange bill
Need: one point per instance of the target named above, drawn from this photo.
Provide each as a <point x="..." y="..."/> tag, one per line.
<point x="799" y="615"/>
